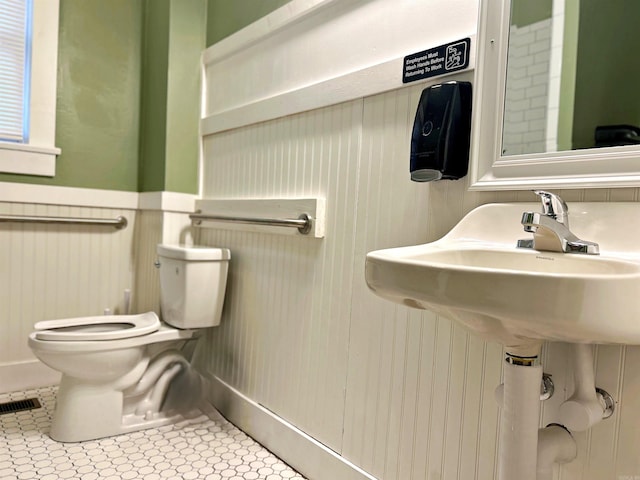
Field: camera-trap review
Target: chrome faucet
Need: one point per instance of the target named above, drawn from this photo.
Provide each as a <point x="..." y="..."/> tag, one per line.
<point x="550" y="228"/>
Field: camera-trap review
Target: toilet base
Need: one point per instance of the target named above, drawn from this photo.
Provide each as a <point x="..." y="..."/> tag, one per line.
<point x="89" y="414"/>
<point x="88" y="411"/>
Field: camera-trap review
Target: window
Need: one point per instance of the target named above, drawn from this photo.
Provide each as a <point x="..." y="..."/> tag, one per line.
<point x="15" y="62"/>
<point x="28" y="66"/>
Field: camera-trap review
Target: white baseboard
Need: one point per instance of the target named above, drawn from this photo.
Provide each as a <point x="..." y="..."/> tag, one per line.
<point x="299" y="450"/>
<point x="16" y="377"/>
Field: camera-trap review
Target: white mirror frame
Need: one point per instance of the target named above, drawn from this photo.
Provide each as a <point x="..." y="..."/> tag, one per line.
<point x="589" y="168"/>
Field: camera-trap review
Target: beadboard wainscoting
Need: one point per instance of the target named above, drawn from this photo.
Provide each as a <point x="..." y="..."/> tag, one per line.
<point x="155" y="227"/>
<point x="147" y="281"/>
<point x="397" y="392"/>
<point x="57" y="271"/>
<point x="54" y="271"/>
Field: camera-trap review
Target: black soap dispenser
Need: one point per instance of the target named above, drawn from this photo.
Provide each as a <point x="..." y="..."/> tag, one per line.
<point x="441" y="133"/>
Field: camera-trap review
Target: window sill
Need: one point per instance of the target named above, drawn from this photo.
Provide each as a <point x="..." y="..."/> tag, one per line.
<point x="28" y="159"/>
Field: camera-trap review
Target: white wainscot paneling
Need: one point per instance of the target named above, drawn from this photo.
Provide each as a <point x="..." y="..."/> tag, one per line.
<point x="608" y="450"/>
<point x="56" y="271"/>
<point x="155" y="227"/>
<point x="149" y="233"/>
<point x="284" y="335"/>
<point x="312" y="53"/>
<point x="419" y="398"/>
<point x="253" y="214"/>
<point x="400" y="393"/>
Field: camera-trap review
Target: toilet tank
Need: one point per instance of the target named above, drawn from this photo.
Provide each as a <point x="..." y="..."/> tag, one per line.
<point x="193" y="281"/>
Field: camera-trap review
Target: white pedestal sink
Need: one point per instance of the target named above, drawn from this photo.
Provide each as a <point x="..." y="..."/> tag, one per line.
<point x="477" y="276"/>
<point x="519" y="297"/>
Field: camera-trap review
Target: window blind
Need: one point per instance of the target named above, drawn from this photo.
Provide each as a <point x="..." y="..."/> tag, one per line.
<point x="15" y="49"/>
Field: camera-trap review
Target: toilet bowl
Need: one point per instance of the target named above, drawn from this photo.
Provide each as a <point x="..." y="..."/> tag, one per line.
<point x="122" y="373"/>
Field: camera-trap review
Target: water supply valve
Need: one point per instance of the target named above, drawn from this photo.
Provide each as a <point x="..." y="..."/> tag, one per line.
<point x="588" y="405"/>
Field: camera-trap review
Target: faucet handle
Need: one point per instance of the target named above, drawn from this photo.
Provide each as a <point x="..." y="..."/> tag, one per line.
<point x="553" y="206"/>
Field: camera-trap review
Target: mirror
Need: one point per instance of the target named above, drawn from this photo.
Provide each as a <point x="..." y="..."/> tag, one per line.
<point x="557" y="95"/>
<point x="571" y="82"/>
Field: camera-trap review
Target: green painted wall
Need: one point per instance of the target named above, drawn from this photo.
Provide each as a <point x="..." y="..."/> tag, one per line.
<point x="225" y="17"/>
<point x="175" y="33"/>
<point x="174" y="37"/>
<point x="98" y="95"/>
<point x="188" y="39"/>
<point x="608" y="75"/>
<point x="155" y="65"/>
<point x="526" y="12"/>
<point x="568" y="75"/>
<point x="128" y="97"/>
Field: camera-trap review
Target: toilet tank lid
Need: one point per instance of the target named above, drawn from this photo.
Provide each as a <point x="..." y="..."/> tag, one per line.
<point x="182" y="252"/>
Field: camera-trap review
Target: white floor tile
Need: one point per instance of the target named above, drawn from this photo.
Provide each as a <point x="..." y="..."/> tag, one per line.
<point x="201" y="448"/>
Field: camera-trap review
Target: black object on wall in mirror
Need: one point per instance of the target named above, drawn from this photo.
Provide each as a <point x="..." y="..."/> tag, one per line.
<point x="441" y="133"/>
<point x="615" y="135"/>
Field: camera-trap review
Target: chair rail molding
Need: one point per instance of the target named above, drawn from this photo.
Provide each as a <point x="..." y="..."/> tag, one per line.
<point x="309" y="54"/>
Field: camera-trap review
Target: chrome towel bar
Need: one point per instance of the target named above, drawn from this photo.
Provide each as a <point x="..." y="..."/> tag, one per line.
<point x="303" y="223"/>
<point x="119" y="222"/>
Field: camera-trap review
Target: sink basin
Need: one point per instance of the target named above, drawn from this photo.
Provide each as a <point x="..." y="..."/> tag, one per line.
<point x="521" y="297"/>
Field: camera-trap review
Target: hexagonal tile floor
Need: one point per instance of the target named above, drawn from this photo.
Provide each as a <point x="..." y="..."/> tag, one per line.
<point x="201" y="448"/>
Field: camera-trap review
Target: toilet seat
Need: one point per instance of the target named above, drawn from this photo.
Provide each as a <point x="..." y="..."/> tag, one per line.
<point x="106" y="327"/>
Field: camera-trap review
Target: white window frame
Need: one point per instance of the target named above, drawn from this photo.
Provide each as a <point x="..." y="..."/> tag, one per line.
<point x="38" y="156"/>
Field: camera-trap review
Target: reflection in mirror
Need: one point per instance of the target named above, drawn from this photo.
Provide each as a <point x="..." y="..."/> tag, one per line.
<point x="573" y="80"/>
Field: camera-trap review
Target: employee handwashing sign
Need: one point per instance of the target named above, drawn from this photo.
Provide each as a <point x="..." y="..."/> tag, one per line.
<point x="441" y="60"/>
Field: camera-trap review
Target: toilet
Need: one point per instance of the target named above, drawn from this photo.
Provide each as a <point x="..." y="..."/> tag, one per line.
<point x="123" y="373"/>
